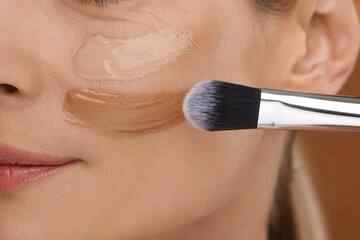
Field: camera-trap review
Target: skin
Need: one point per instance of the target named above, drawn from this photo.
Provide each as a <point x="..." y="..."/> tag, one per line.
<point x="179" y="183"/>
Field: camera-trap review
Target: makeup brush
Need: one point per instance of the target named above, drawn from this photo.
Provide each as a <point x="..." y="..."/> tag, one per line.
<point x="218" y="106"/>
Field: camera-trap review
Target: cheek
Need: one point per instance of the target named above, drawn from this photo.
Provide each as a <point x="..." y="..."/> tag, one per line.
<point x="171" y="178"/>
<point x="167" y="179"/>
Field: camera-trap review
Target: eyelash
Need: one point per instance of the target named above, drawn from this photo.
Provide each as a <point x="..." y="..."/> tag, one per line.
<point x="100" y="3"/>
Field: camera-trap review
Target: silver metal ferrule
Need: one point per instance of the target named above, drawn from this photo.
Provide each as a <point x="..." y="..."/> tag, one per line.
<point x="305" y="111"/>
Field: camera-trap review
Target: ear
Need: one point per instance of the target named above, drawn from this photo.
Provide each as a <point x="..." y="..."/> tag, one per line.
<point x="331" y="32"/>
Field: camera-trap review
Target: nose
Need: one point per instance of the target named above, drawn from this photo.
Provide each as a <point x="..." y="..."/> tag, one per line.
<point x="8" y="89"/>
<point x="20" y="76"/>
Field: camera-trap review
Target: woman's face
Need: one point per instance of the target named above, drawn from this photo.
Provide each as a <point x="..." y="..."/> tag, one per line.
<point x="124" y="186"/>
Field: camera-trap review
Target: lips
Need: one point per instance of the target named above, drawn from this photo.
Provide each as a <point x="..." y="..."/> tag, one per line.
<point x="20" y="167"/>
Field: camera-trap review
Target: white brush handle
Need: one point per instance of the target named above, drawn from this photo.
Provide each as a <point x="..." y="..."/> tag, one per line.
<point x="301" y="111"/>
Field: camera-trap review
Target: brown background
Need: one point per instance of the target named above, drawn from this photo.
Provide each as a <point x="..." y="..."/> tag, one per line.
<point x="334" y="161"/>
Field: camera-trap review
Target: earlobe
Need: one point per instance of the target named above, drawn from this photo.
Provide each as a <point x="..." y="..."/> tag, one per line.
<point x="332" y="44"/>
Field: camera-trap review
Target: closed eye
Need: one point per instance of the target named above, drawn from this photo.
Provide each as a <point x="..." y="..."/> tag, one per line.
<point x="100" y="3"/>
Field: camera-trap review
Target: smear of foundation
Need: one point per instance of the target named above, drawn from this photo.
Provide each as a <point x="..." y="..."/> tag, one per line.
<point x="130" y="114"/>
<point x="128" y="59"/>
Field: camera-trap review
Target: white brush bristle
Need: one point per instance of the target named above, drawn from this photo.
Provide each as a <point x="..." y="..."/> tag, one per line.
<point x="199" y="102"/>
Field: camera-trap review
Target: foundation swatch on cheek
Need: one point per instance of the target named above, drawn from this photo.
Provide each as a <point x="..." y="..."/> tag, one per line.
<point x="131" y="114"/>
<point x="128" y="59"/>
